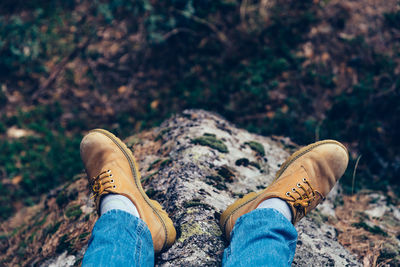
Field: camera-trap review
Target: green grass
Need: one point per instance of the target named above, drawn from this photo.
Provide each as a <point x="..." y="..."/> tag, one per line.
<point x="44" y="160"/>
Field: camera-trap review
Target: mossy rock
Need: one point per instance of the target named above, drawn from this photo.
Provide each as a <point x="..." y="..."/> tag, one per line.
<point x="257" y="147"/>
<point x="211" y="141"/>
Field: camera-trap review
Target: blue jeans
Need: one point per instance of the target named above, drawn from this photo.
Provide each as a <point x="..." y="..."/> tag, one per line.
<point x="263" y="237"/>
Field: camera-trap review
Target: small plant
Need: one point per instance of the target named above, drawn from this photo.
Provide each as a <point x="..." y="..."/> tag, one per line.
<point x="73" y="211"/>
<point x="373" y="229"/>
<point x="211" y="141"/>
<point x="257" y="147"/>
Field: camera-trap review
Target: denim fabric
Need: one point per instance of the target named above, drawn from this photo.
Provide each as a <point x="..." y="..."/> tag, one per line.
<point x="263" y="237"/>
<point x="119" y="239"/>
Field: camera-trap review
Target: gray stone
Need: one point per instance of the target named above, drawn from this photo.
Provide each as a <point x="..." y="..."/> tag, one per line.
<point x="195" y="193"/>
<point x="196" y="164"/>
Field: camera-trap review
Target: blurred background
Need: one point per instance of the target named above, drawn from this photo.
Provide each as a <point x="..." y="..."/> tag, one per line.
<point x="307" y="70"/>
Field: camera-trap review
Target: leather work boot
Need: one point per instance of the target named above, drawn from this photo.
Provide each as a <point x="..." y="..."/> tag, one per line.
<point x="303" y="181"/>
<point x="112" y="169"/>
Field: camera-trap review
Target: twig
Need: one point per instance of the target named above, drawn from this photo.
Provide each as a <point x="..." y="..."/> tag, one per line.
<point x="265" y="5"/>
<point x="253" y="117"/>
<point x="58" y="68"/>
<point x="242" y="10"/>
<point x="7" y="235"/>
<point x="354" y="174"/>
<point x="221" y="36"/>
<point x="176" y="31"/>
<point x="383" y="93"/>
<point x="317" y="130"/>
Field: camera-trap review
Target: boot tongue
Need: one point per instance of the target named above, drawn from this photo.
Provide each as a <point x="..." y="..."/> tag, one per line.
<point x="300" y="194"/>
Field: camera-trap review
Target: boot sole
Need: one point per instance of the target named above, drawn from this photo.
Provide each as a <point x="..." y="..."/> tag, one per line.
<point x="253" y="195"/>
<point x="154" y="205"/>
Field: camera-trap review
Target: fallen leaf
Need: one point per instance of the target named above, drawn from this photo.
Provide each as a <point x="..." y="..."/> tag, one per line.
<point x="16" y="180"/>
<point x="16" y="133"/>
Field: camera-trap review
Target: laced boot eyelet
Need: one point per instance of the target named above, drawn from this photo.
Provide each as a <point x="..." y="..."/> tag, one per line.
<point x="304" y="180"/>
<point x="293" y="190"/>
<point x="112" y="181"/>
<point x="109" y="171"/>
<point x="298" y="185"/>
<point x="96" y="188"/>
<point x="288" y="194"/>
<point x="114" y="186"/>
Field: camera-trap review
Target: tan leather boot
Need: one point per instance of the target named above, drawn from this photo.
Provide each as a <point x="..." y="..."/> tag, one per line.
<point x="303" y="181"/>
<point x="112" y="169"/>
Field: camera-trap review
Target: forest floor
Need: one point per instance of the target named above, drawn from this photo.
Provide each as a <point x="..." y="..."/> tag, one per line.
<point x="309" y="70"/>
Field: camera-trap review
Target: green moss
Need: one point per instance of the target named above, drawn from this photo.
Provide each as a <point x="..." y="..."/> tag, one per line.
<point x="154" y="163"/>
<point x="6" y="209"/>
<point x="211" y="141"/>
<point x="148" y="177"/>
<point x="245" y="162"/>
<point x="195" y="203"/>
<point x="338" y="202"/>
<point x="257" y="147"/>
<point x="51" y="229"/>
<point x="84" y="235"/>
<point x="151" y="192"/>
<point x="132" y="141"/>
<point x="162" y="132"/>
<point x="390" y="251"/>
<point x="21" y="249"/>
<point x="73" y="211"/>
<point x="32" y="236"/>
<point x="29" y="202"/>
<point x="62" y="199"/>
<point x="188" y="230"/>
<point x="64" y="244"/>
<point x="372" y="229"/>
<point x="87" y="217"/>
<point x="165" y="162"/>
<point x="40" y="222"/>
<point x="43" y="160"/>
<point x="217" y="181"/>
<point x="317" y="217"/>
<point x="161" y="162"/>
<point x="226" y="172"/>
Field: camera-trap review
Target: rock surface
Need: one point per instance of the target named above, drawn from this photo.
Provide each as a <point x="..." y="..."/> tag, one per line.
<point x="195" y="164"/>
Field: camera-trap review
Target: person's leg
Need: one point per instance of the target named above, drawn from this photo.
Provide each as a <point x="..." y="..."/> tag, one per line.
<point x="263" y="237"/>
<point x="119" y="239"/>
<point x="302" y="182"/>
<point x="132" y="227"/>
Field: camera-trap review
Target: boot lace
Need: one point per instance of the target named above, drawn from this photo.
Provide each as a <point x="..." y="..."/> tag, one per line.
<point x="300" y="196"/>
<point x="102" y="183"/>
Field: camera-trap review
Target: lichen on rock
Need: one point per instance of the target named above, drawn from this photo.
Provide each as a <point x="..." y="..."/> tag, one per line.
<point x="195" y="180"/>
